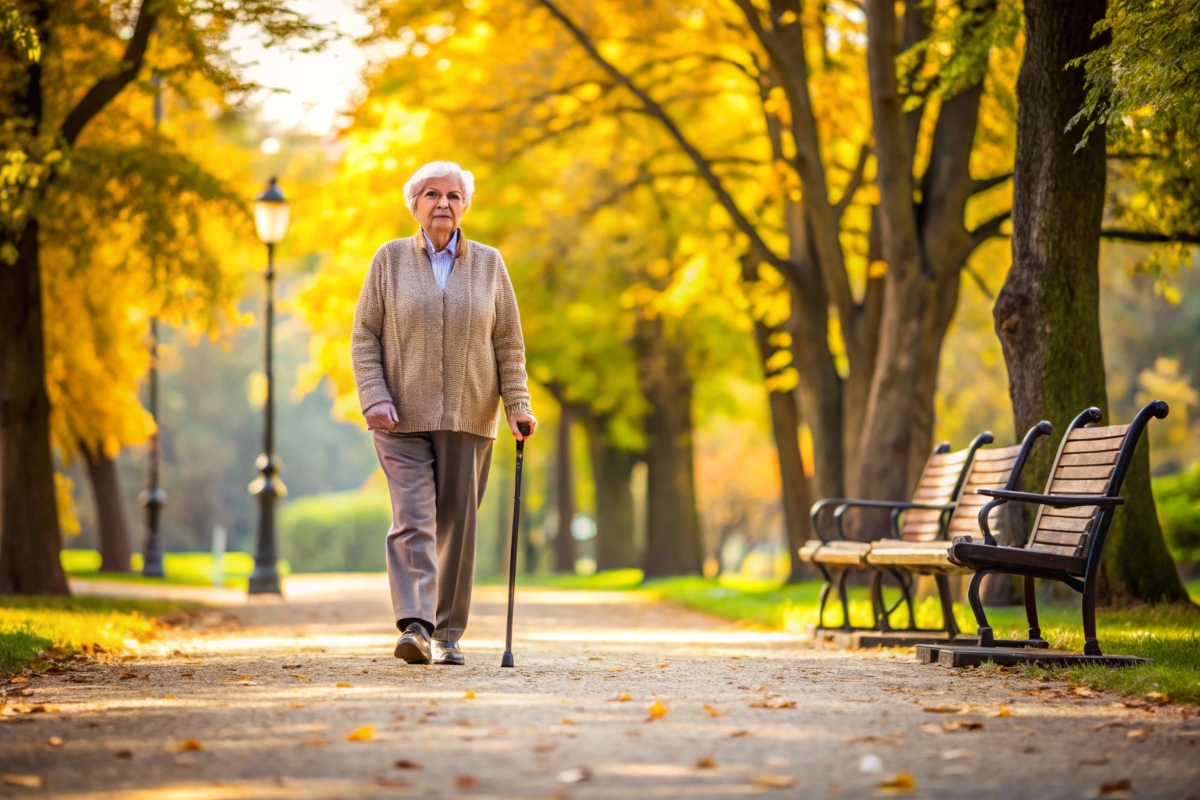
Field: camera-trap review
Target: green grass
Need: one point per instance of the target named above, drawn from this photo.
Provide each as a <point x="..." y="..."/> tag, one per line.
<point x="36" y="625"/>
<point x="182" y="569"/>
<point x="1170" y="636"/>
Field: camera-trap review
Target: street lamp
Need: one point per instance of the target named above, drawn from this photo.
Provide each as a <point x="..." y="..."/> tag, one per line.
<point x="153" y="498"/>
<point x="271" y="219"/>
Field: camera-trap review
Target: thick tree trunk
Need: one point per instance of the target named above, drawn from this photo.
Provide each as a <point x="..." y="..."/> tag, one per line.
<point x="564" y="494"/>
<point x="820" y="388"/>
<point x="612" y="474"/>
<point x="673" y="545"/>
<point x="112" y="524"/>
<point x="1048" y="313"/>
<point x="30" y="539"/>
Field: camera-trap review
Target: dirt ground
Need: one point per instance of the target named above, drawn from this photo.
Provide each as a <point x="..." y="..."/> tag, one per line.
<point x="614" y="695"/>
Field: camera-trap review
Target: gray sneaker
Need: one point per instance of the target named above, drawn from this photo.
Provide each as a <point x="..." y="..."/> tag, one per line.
<point x="413" y="646"/>
<point x="447" y="653"/>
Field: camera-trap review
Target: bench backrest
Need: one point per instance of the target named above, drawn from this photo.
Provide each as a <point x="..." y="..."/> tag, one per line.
<point x="1090" y="460"/>
<point x="990" y="469"/>
<point x="940" y="484"/>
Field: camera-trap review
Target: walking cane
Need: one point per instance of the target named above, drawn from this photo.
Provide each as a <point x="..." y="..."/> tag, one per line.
<point x="507" y="659"/>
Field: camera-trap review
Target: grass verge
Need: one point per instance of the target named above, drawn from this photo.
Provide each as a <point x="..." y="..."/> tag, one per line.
<point x="182" y="569"/>
<point x="34" y="627"/>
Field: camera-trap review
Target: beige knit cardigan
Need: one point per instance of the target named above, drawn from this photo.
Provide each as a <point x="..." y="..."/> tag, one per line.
<point x="444" y="358"/>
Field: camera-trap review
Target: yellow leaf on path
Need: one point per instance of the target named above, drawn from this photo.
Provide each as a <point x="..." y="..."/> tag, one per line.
<point x="1159" y="698"/>
<point x="19" y="679"/>
<point x="344" y="685"/>
<point x="712" y="712"/>
<point x="660" y="666"/>
<point x="315" y="741"/>
<point x="623" y="698"/>
<point x="24" y="781"/>
<point x="470" y="695"/>
<point x="958" y="725"/>
<point x="169" y="697"/>
<point x="656" y="710"/>
<point x="941" y="710"/>
<point x="739" y="734"/>
<point x="466" y="781"/>
<point x="902" y="782"/>
<point x="244" y="678"/>
<point x="1138" y="733"/>
<point x="189" y="746"/>
<point x="1082" y="691"/>
<point x="296" y="704"/>
<point x="1004" y="712"/>
<point x="616" y="669"/>
<point x="774" y="781"/>
<point x="404" y="763"/>
<point x="568" y="721"/>
<point x="705" y="762"/>
<point x="364" y="734"/>
<point x="55" y="741"/>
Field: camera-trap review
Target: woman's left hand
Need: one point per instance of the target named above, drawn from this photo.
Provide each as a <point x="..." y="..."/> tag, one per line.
<point x="519" y="417"/>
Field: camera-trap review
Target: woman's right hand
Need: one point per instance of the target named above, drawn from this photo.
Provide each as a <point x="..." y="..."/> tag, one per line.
<point x="382" y="416"/>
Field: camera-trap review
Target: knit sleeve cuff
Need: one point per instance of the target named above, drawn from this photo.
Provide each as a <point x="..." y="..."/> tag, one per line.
<point x="520" y="404"/>
<point x="372" y="395"/>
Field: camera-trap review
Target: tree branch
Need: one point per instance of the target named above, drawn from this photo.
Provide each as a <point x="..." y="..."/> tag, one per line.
<point x="984" y="184"/>
<point x="105" y="89"/>
<point x="986" y="230"/>
<point x="655" y="110"/>
<point x="1153" y="238"/>
<point x="856" y="181"/>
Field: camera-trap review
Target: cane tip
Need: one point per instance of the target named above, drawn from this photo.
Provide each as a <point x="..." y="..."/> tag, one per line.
<point x="507" y="659"/>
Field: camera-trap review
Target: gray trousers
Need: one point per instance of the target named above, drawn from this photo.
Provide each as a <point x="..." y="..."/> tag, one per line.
<point x="436" y="480"/>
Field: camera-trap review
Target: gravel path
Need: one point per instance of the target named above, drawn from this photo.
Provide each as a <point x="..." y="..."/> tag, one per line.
<point x="302" y="699"/>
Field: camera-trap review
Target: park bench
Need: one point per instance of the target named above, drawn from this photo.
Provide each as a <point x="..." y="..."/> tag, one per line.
<point x="837" y="556"/>
<point x="925" y="554"/>
<point x="1066" y="544"/>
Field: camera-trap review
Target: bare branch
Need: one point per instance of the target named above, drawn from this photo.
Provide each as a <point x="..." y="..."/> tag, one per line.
<point x="856" y="181"/>
<point x="105" y="89"/>
<point x="1152" y="238"/>
<point x="983" y="287"/>
<point x="655" y="110"/>
<point x="983" y="184"/>
<point x="986" y="230"/>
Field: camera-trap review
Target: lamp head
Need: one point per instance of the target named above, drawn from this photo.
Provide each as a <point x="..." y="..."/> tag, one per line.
<point x="271" y="213"/>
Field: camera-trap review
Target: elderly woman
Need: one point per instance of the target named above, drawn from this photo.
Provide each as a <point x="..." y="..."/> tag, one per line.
<point x="436" y="346"/>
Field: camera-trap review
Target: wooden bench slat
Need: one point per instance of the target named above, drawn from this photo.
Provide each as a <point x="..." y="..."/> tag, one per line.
<point x="1078" y="487"/>
<point x="997" y="453"/>
<point x="1081" y="511"/>
<point x="938" y="481"/>
<point x="1064" y="524"/>
<point x="1004" y="465"/>
<point x="1056" y="549"/>
<point x="949" y="469"/>
<point x="943" y="459"/>
<point x="1093" y="445"/>
<point x="1101" y="432"/>
<point x="920" y="527"/>
<point x="1065" y="538"/>
<point x="1103" y="472"/>
<point x="1083" y="459"/>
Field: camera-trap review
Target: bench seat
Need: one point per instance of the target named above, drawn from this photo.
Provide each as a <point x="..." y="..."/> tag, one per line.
<point x="917" y="556"/>
<point x="839" y="551"/>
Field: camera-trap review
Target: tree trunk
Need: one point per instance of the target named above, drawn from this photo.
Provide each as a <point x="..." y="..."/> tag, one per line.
<point x="820" y="388"/>
<point x="612" y="474"/>
<point x="673" y="545"/>
<point x="30" y="539"/>
<point x="564" y="494"/>
<point x="1048" y="313"/>
<point x="112" y="524"/>
<point x="785" y="425"/>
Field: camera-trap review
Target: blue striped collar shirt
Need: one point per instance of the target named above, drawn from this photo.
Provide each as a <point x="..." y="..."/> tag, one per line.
<point x="442" y="261"/>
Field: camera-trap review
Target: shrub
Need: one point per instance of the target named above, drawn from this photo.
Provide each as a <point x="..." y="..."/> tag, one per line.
<point x="338" y="532"/>
<point x="1178" y="499"/>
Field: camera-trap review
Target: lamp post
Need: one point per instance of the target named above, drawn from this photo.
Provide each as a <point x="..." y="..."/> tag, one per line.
<point x="271" y="219"/>
<point x="153" y="498"/>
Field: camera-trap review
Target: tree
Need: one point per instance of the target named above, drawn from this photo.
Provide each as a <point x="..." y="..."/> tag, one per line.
<point x="1047" y="314"/>
<point x="90" y="53"/>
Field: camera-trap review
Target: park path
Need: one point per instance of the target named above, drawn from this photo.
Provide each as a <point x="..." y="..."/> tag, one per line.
<point x="257" y="701"/>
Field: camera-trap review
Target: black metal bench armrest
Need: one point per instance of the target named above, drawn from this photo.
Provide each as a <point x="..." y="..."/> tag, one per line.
<point x="842" y="504"/>
<point x="1055" y="500"/>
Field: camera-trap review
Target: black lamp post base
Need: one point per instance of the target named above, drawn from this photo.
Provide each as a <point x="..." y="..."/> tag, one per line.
<point x="152" y="567"/>
<point x="264" y="580"/>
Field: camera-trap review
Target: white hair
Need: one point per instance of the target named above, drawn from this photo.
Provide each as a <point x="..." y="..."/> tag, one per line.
<point x="437" y="169"/>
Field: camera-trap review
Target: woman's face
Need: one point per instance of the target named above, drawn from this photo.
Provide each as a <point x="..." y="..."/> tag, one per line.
<point x="441" y="204"/>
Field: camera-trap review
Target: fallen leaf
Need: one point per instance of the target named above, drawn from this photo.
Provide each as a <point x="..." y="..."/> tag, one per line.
<point x="364" y="734"/>
<point x="244" y="678"/>
<point x="54" y="741"/>
<point x="891" y="688"/>
<point x="1082" y="691"/>
<point x="656" y="710"/>
<point x="927" y="728"/>
<point x="404" y="763"/>
<point x="575" y="775"/>
<point x="169" y="697"/>
<point x="296" y="704"/>
<point x="24" y="781"/>
<point x="774" y="781"/>
<point x="315" y="741"/>
<point x="390" y="783"/>
<point x="470" y="695"/>
<point x="1159" y="698"/>
<point x="705" y="762"/>
<point x="940" y="710"/>
<point x="872" y="740"/>
<point x="1123" y="785"/>
<point x="466" y="781"/>
<point x="1138" y="733"/>
<point x="1003" y="712"/>
<point x="616" y="669"/>
<point x="954" y="755"/>
<point x="712" y="712"/>
<point x="568" y="721"/>
<point x="902" y="782"/>
<point x="301" y="677"/>
<point x="291" y="666"/>
<point x="20" y="679"/>
<point x="344" y="685"/>
<point x="545" y="748"/>
<point x="773" y="702"/>
<point x="124" y="752"/>
<point x="950" y="726"/>
<point x="1112" y="723"/>
<point x="738" y="734"/>
<point x="660" y="666"/>
<point x="188" y="746"/>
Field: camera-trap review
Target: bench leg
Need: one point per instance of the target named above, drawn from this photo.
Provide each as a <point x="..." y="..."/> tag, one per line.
<point x="844" y="596"/>
<point x="985" y="631"/>
<point x="1091" y="647"/>
<point x="906" y="591"/>
<point x="878" y="606"/>
<point x="824" y="597"/>
<point x="943" y="586"/>
<point x="1035" y="631"/>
